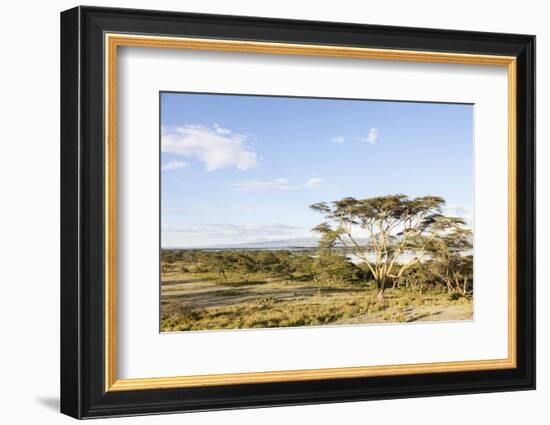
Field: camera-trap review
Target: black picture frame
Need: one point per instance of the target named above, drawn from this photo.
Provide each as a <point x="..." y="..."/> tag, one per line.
<point x="83" y="392"/>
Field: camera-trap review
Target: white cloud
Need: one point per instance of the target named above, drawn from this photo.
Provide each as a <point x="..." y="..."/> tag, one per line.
<point x="221" y="130"/>
<point x="338" y="139"/>
<point x="314" y="183"/>
<point x="260" y="186"/>
<point x="173" y="165"/>
<point x="454" y="209"/>
<point x="216" y="234"/>
<point x="270" y="229"/>
<point x="215" y="146"/>
<point x="459" y="211"/>
<point x="372" y="136"/>
<point x="279" y="184"/>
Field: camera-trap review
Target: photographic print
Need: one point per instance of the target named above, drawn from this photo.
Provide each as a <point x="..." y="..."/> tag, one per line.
<point x="258" y="183"/>
<point x="292" y="211"/>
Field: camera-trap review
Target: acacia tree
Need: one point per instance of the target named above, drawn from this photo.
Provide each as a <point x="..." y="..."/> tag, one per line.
<point x="167" y="261"/>
<point x="388" y="234"/>
<point x="455" y="269"/>
<point x="220" y="263"/>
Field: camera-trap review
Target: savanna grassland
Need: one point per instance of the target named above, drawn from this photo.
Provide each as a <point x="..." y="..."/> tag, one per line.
<point x="236" y="289"/>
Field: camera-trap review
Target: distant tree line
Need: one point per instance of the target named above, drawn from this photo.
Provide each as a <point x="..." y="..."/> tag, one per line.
<point x="309" y="264"/>
<point x="321" y="265"/>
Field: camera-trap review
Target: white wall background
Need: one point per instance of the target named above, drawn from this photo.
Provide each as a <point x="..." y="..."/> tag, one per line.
<point x="29" y="217"/>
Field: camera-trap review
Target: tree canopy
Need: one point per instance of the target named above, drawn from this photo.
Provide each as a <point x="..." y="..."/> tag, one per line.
<point x="389" y="234"/>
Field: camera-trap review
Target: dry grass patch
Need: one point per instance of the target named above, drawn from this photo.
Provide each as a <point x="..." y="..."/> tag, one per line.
<point x="282" y="303"/>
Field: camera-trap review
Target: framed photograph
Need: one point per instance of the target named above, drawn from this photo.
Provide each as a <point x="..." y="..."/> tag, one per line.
<point x="261" y="212"/>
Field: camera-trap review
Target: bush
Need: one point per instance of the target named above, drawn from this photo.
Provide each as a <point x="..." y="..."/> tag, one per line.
<point x="334" y="268"/>
<point x="455" y="296"/>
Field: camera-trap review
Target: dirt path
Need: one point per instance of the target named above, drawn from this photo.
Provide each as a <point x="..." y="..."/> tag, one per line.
<point x="200" y="294"/>
<point x="448" y="313"/>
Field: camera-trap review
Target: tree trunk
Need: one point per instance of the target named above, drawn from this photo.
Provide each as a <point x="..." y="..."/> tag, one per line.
<point x="457" y="283"/>
<point x="381" y="284"/>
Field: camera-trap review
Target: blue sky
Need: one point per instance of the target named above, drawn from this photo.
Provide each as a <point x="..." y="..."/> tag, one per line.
<point x="240" y="169"/>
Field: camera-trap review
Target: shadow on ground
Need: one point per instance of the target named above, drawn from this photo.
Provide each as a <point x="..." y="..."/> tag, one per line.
<point x="51" y="403"/>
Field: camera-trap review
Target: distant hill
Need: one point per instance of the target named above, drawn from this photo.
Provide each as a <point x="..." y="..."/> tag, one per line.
<point x="284" y="243"/>
<point x="274" y="244"/>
